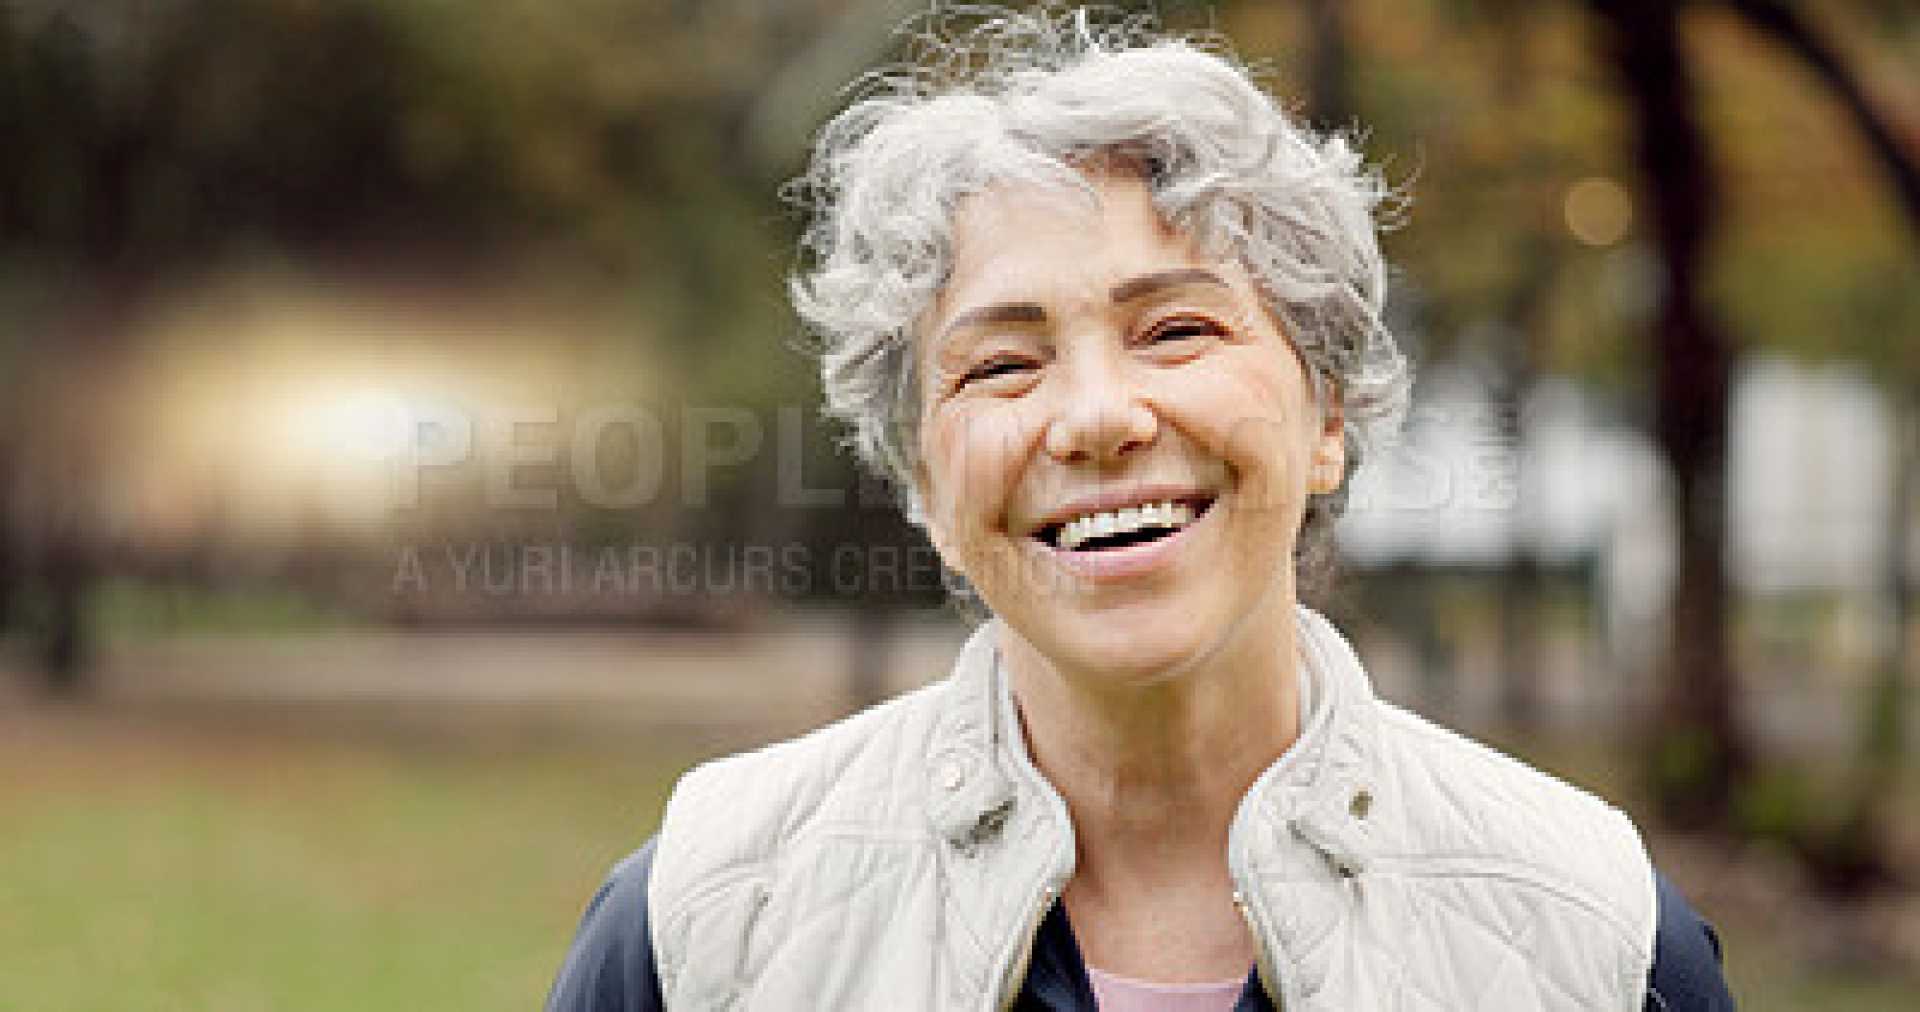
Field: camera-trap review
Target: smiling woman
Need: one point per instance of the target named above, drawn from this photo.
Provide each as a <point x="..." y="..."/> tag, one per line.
<point x="1138" y="376"/>
<point x="1111" y="323"/>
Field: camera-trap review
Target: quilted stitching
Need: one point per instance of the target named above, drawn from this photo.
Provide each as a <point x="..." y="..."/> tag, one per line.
<point x="1553" y="965"/>
<point x="1480" y="884"/>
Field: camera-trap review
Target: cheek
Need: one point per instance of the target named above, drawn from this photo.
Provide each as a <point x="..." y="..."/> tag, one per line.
<point x="973" y="461"/>
<point x="1255" y="418"/>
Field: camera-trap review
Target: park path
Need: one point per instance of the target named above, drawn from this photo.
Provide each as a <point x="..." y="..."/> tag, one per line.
<point x="783" y="674"/>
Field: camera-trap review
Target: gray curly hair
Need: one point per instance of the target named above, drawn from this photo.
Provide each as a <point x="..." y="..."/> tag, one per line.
<point x="990" y="96"/>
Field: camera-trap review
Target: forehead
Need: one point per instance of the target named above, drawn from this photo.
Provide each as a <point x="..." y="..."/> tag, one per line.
<point x="1038" y="233"/>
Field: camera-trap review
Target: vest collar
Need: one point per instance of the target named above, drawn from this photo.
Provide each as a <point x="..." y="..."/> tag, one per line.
<point x="973" y="738"/>
<point x="1011" y="836"/>
<point x="1013" y="839"/>
<point x="1319" y="790"/>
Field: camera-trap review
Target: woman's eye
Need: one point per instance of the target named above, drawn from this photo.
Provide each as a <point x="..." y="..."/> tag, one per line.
<point x="994" y="368"/>
<point x="1183" y="328"/>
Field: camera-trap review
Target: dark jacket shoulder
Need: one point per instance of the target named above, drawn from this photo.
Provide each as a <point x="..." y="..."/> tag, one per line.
<point x="610" y="966"/>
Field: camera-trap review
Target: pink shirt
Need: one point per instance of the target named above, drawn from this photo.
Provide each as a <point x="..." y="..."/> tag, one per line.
<point x="1123" y="994"/>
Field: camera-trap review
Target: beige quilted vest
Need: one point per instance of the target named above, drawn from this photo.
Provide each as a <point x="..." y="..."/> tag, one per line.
<point x="903" y="858"/>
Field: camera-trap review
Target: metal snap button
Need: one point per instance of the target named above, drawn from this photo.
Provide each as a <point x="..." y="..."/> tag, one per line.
<point x="1361" y="804"/>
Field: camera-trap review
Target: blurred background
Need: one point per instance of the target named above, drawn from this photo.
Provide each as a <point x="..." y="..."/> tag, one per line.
<point x="406" y="466"/>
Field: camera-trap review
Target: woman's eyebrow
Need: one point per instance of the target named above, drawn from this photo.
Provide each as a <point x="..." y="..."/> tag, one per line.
<point x="1001" y="312"/>
<point x="1126" y="291"/>
<point x="1148" y="284"/>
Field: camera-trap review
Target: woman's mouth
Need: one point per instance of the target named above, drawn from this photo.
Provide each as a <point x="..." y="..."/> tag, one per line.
<point x="1123" y="527"/>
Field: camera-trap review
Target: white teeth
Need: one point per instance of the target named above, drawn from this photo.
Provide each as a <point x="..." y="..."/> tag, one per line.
<point x="1079" y="530"/>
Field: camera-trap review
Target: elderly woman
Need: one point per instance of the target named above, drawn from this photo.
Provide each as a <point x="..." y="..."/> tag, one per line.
<point x="1111" y="322"/>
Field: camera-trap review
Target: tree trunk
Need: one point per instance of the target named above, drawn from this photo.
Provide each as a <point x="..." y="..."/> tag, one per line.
<point x="1702" y="753"/>
<point x="1328" y="101"/>
<point x="10" y="575"/>
<point x="64" y="640"/>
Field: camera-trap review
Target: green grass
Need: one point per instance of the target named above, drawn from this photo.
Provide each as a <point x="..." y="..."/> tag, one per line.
<point x="189" y="862"/>
<point x="180" y="874"/>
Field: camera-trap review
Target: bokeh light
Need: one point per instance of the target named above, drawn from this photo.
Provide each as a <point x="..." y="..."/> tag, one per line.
<point x="1599" y="211"/>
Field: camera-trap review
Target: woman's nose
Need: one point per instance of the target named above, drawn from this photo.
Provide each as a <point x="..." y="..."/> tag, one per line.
<point x="1100" y="417"/>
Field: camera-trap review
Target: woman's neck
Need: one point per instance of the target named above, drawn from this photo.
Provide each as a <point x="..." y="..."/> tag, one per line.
<point x="1153" y="771"/>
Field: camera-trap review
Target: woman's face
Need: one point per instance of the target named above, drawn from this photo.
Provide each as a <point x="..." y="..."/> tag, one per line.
<point x="1117" y="441"/>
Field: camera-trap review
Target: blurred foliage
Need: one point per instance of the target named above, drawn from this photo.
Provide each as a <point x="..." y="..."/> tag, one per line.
<point x="593" y="143"/>
<point x="610" y="140"/>
<point x="1490" y="111"/>
<point x="620" y="160"/>
<point x="204" y="122"/>
<point x="625" y="156"/>
<point x="621" y="147"/>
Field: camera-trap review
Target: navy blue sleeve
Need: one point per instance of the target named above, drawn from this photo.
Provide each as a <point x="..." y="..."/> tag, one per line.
<point x="610" y="966"/>
<point x="1686" y="973"/>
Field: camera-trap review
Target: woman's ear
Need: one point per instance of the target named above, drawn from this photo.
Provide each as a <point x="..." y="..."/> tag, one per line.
<point x="1327" y="466"/>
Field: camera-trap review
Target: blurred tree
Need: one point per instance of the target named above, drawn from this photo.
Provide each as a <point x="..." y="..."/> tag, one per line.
<point x="635" y="146"/>
<point x="1702" y="754"/>
<point x="1855" y="855"/>
<point x="1704" y="757"/>
<point x="801" y="91"/>
<point x="603" y="145"/>
<point x="1784" y="24"/>
<point x="1329" y="92"/>
<point x="1497" y="102"/>
<point x="150" y="145"/>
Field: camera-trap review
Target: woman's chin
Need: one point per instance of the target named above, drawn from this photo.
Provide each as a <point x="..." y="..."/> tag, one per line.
<point x="1139" y="651"/>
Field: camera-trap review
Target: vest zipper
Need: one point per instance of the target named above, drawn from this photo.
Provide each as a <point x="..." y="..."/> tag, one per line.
<point x="1013" y="982"/>
<point x="1262" y="966"/>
